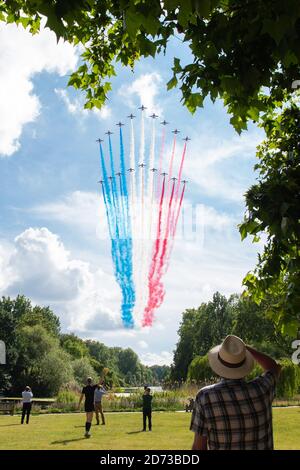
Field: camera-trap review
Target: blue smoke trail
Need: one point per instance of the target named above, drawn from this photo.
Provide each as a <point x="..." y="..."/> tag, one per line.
<point x="106" y="190"/>
<point x="128" y="230"/>
<point x="120" y="245"/>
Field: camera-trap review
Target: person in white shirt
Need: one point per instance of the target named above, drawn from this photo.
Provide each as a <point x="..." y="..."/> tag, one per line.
<point x="27" y="396"/>
<point x="98" y="394"/>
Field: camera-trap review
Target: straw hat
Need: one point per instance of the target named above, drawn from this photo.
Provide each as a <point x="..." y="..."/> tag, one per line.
<point x="231" y="359"/>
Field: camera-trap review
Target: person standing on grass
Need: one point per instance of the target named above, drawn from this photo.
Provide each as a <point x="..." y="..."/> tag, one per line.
<point x="147" y="409"/>
<point x="98" y="394"/>
<point x="27" y="396"/>
<point x="234" y="414"/>
<point x="88" y="394"/>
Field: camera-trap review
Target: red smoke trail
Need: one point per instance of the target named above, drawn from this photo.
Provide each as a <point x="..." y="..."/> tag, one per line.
<point x="158" y="234"/>
<point x="175" y="223"/>
<point x="147" y="318"/>
<point x="167" y="232"/>
<point x="160" y="266"/>
<point x="156" y="288"/>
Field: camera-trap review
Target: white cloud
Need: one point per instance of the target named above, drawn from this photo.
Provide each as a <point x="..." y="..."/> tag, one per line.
<point x="215" y="164"/>
<point x="85" y="211"/>
<point x="146" y="88"/>
<point x="142" y="344"/>
<point x="23" y="56"/>
<point x="75" y="106"/>
<point x="40" y="267"/>
<point x="80" y="209"/>
<point x="150" y="359"/>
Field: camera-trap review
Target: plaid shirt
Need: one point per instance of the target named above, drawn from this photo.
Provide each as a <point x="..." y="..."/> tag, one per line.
<point x="235" y="414"/>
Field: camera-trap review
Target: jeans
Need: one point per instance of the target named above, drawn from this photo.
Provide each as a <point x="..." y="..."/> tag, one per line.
<point x="147" y="414"/>
<point x="26" y="411"/>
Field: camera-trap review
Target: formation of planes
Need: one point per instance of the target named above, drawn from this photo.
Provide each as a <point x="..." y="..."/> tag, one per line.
<point x="142" y="165"/>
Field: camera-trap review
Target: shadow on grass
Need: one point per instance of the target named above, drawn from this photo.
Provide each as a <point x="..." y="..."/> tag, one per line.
<point x="135" y="432"/>
<point x="67" y="441"/>
<point x="12" y="424"/>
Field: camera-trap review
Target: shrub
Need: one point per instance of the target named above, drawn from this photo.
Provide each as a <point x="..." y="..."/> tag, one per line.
<point x="82" y="369"/>
<point x="67" y="396"/>
<point x="288" y="384"/>
<point x="199" y="370"/>
<point x="289" y="379"/>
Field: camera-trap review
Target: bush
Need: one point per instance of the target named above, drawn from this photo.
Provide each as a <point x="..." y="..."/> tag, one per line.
<point x="57" y="370"/>
<point x="289" y="380"/>
<point x="288" y="384"/>
<point x="82" y="370"/>
<point x="67" y="396"/>
<point x="199" y="370"/>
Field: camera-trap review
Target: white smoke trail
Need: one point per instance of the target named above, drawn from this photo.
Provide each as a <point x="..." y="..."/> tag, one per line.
<point x="133" y="210"/>
<point x="140" y="216"/>
<point x="150" y="185"/>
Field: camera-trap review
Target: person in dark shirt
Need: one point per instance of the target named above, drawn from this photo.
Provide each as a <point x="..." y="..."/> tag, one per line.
<point x="88" y="393"/>
<point x="147" y="409"/>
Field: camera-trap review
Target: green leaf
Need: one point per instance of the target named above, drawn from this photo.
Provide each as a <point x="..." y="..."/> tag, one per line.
<point x="176" y="67"/>
<point x="290" y="328"/>
<point x="194" y="101"/>
<point x="172" y="83"/>
<point x="170" y="4"/>
<point x="275" y="28"/>
<point x="203" y="8"/>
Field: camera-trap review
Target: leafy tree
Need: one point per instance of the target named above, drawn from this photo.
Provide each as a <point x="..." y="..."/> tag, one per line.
<point x="55" y="371"/>
<point x="8" y="324"/>
<point x="82" y="370"/>
<point x="41" y="364"/>
<point x="199" y="331"/>
<point x="213" y="323"/>
<point x="112" y="378"/>
<point x="273" y="210"/>
<point x="97" y="366"/>
<point x="160" y="373"/>
<point x="42" y="316"/>
<point x="99" y="351"/>
<point x="73" y="345"/>
<point x="184" y="351"/>
<point x="128" y="361"/>
<point x="237" y="48"/>
<point x="207" y="326"/>
<point x="39" y="355"/>
<point x="200" y="371"/>
<point x="247" y="317"/>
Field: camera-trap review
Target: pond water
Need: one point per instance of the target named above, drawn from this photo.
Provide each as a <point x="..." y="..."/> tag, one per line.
<point x="129" y="390"/>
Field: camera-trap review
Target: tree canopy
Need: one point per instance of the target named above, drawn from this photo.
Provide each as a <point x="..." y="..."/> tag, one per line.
<point x="273" y="211"/>
<point x="237" y="48"/>
<point x="39" y="355"/>
<point x="206" y="326"/>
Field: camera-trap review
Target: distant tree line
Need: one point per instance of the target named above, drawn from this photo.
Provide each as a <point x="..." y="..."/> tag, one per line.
<point x="206" y="326"/>
<point x="40" y="355"/>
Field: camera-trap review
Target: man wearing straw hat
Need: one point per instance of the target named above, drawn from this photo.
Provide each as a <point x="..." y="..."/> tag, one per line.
<point x="234" y="414"/>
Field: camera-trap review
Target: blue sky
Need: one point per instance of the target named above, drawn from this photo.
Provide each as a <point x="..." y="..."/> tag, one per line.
<point x="53" y="243"/>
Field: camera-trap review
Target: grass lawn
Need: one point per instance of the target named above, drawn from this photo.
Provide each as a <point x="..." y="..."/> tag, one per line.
<point x="170" y="431"/>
